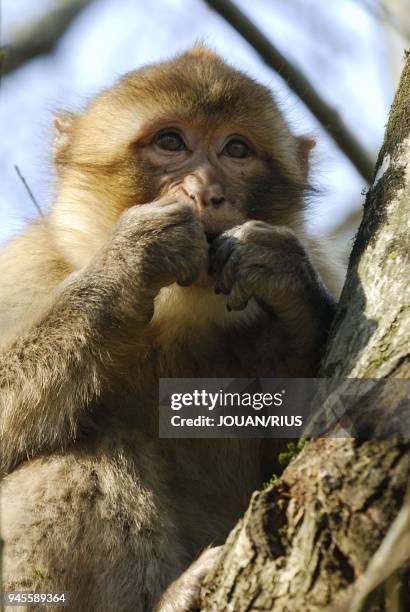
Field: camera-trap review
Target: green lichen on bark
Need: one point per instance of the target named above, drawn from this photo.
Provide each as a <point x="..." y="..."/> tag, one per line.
<point x="375" y="299"/>
<point x="398" y="125"/>
<point x="397" y="130"/>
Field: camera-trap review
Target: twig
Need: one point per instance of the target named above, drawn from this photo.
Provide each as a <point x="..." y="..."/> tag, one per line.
<point x="296" y="80"/>
<point x="30" y="193"/>
<point x="40" y="37"/>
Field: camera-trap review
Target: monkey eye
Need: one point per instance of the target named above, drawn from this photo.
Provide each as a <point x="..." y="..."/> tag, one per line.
<point x="237" y="148"/>
<point x="169" y="141"/>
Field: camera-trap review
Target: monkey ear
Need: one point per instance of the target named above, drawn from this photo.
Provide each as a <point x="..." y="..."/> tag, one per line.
<point x="63" y="125"/>
<point x="306" y="144"/>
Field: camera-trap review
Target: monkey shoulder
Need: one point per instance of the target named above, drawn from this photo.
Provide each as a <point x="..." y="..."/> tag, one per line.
<point x="31" y="270"/>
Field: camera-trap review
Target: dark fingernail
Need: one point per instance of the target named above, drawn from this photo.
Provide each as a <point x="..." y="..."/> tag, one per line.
<point x="228" y="308"/>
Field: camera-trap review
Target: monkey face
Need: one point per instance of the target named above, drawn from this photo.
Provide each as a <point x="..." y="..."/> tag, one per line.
<point x="210" y="164"/>
<point x="192" y="128"/>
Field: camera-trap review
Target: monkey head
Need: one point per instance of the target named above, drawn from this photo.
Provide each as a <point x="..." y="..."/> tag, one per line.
<point x="190" y="128"/>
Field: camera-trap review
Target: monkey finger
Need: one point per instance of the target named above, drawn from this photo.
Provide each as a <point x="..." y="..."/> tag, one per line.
<point x="185" y="281"/>
<point x="220" y="250"/>
<point x="176" y="213"/>
<point x="229" y="273"/>
<point x="166" y="203"/>
<point x="239" y="297"/>
<point x="196" y="232"/>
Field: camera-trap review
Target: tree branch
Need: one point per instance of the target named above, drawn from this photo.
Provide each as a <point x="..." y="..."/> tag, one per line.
<point x="41" y="37"/>
<point x="324" y="113"/>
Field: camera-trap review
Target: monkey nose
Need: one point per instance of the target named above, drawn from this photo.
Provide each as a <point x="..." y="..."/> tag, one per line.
<point x="204" y="199"/>
<point x="204" y="194"/>
<point x="214" y="196"/>
<point x="216" y="201"/>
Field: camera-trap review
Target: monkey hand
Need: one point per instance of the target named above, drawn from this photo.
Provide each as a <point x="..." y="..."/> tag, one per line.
<point x="157" y="244"/>
<point x="268" y="263"/>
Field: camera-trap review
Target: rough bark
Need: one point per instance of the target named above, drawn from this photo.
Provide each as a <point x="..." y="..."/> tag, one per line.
<point x="316" y="539"/>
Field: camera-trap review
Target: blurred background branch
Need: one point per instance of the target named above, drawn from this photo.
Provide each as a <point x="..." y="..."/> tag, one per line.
<point x="296" y="80"/>
<point x="382" y="12"/>
<point x="41" y="36"/>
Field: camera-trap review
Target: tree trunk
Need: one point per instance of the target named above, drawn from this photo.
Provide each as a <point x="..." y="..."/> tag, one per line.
<point x="316" y="539"/>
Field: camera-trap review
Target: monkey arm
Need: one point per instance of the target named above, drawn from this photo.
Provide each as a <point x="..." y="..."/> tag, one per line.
<point x="51" y="375"/>
<point x="53" y="372"/>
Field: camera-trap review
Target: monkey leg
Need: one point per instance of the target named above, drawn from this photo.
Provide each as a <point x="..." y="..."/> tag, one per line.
<point x="90" y="526"/>
<point x="183" y="594"/>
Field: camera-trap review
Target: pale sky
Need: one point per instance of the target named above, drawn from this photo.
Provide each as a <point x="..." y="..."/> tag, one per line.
<point x="341" y="48"/>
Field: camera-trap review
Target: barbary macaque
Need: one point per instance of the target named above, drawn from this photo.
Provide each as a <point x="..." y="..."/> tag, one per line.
<point x="175" y="247"/>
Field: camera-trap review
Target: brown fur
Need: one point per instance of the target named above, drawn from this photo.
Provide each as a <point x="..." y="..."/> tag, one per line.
<point x="91" y="317"/>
